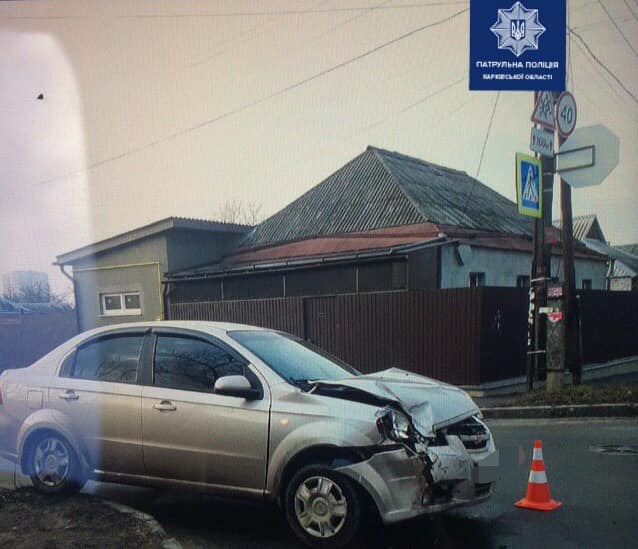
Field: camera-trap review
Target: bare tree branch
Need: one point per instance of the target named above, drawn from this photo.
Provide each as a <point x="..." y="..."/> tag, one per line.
<point x="238" y="211"/>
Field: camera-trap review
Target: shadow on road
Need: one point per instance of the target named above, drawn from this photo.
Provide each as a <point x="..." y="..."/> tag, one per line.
<point x="201" y="521"/>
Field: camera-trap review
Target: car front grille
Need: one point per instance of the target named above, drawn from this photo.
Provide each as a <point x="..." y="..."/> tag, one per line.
<point x="482" y="489"/>
<point x="472" y="433"/>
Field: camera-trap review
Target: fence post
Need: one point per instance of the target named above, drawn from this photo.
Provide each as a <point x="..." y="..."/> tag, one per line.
<point x="20" y="342"/>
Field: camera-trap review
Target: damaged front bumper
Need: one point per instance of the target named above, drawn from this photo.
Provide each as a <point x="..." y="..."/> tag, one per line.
<point x="405" y="485"/>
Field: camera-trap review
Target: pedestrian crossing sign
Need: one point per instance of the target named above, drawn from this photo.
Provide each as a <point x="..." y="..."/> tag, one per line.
<point x="529" y="185"/>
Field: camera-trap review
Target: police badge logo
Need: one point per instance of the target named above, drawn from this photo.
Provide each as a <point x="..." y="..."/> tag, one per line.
<point x="517" y="29"/>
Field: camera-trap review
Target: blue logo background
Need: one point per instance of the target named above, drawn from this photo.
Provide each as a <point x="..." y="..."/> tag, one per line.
<point x="511" y="76"/>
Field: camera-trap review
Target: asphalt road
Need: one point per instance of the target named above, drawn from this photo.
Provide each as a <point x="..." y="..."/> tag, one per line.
<point x="599" y="492"/>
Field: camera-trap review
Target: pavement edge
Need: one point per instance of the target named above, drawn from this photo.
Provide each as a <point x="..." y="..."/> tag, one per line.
<point x="562" y="411"/>
<point x="148" y="520"/>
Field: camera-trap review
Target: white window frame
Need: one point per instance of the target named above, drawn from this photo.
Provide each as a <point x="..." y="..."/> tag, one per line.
<point x="480" y="277"/>
<point x="122" y="311"/>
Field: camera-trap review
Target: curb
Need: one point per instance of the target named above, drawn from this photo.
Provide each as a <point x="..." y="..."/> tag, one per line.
<point x="561" y="411"/>
<point x="148" y="520"/>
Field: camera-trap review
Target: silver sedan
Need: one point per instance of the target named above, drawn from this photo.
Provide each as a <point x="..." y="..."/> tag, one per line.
<point x="248" y="412"/>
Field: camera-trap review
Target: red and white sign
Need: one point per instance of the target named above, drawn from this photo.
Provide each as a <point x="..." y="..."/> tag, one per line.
<point x="555" y="291"/>
<point x="566" y="114"/>
<point x="555" y="317"/>
<point x="544" y="111"/>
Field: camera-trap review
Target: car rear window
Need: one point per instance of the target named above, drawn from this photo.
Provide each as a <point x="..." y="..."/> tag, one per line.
<point x="109" y="359"/>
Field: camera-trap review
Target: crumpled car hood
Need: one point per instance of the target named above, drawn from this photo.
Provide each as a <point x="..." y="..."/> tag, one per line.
<point x="432" y="404"/>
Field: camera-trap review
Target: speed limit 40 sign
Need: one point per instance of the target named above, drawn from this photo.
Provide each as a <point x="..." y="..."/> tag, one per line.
<point x="566" y="114"/>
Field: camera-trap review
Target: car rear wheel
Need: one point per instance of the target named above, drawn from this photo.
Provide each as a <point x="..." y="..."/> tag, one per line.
<point x="54" y="466"/>
<point x="323" y="507"/>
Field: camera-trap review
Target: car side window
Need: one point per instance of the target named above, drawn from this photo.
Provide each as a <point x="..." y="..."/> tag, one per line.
<point x="112" y="358"/>
<point x="191" y="364"/>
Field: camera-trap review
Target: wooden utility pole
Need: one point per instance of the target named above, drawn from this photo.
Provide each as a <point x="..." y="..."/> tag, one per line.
<point x="572" y="356"/>
<point x="532" y="320"/>
<point x="541" y="274"/>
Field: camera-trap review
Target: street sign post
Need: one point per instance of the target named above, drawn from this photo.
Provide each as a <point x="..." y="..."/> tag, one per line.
<point x="544" y="111"/>
<point x="542" y="142"/>
<point x="588" y="156"/>
<point x="566" y="114"/>
<point x="529" y="187"/>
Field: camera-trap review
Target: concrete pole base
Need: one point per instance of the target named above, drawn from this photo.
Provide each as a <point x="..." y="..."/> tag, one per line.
<point x="554" y="381"/>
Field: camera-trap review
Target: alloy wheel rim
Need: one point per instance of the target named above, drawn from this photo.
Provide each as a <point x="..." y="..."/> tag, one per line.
<point x="320" y="507"/>
<point x="51" y="462"/>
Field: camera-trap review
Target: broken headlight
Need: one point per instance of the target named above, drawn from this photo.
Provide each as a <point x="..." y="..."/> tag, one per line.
<point x="394" y="425"/>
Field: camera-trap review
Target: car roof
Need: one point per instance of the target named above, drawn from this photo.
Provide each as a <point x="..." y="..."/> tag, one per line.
<point x="207" y="326"/>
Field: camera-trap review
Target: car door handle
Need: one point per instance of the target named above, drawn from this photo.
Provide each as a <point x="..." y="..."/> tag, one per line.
<point x="165" y="406"/>
<point x="69" y="395"/>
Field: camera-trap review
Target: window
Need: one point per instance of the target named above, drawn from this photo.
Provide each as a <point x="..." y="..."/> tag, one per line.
<point x="118" y="304"/>
<point x="109" y="359"/>
<point x="192" y="365"/>
<point x="522" y="281"/>
<point x="294" y="360"/>
<point x="477" y="279"/>
<point x="586" y="283"/>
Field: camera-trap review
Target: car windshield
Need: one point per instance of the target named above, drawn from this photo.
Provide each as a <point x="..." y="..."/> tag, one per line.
<point x="295" y="360"/>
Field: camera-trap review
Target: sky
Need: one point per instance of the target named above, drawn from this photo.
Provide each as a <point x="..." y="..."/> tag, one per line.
<point x="167" y="108"/>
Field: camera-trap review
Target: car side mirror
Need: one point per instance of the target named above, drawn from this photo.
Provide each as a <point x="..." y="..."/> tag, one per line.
<point x="237" y="386"/>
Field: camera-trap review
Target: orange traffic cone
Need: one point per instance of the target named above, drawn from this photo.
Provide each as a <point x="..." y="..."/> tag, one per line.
<point x="537" y="487"/>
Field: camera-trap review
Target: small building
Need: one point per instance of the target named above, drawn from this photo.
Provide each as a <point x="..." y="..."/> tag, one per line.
<point x="119" y="279"/>
<point x="584" y="226"/>
<point x="383" y="222"/>
<point x="624" y="275"/>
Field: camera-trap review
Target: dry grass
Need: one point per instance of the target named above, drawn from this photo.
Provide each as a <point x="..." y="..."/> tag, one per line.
<point x="581" y="394"/>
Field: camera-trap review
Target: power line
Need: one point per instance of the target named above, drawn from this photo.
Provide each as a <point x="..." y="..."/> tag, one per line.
<point x="631" y="10"/>
<point x="617" y="26"/>
<point x="256" y="102"/>
<point x="487" y="135"/>
<point x="419" y="102"/>
<point x="603" y="76"/>
<point x="569" y="52"/>
<point x="315" y="38"/>
<point x="433" y="94"/>
<point x="240" y="13"/>
<point x="602" y="65"/>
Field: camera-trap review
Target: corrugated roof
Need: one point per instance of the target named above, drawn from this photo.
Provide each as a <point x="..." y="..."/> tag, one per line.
<point x="582" y="227"/>
<point x="150" y="230"/>
<point x="380" y="189"/>
<point x="628" y="248"/>
<point x="621" y="270"/>
<point x="334" y="244"/>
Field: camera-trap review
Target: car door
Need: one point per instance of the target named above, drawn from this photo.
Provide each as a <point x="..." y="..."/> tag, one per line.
<point x="190" y="433"/>
<point x="97" y="391"/>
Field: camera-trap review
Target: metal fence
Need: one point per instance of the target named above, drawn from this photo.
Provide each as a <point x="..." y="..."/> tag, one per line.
<point x="25" y="337"/>
<point x="464" y="336"/>
<point x="608" y="325"/>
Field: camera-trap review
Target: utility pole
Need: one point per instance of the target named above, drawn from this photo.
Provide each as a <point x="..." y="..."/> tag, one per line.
<point x="532" y="321"/>
<point x="545" y="264"/>
<point x="541" y="274"/>
<point x="572" y="356"/>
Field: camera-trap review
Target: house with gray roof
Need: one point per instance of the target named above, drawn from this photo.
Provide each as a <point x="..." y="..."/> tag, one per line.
<point x="119" y="279"/>
<point x="382" y="222"/>
<point x="622" y="273"/>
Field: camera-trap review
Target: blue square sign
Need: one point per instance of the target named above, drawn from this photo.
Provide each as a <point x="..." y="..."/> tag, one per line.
<point x="529" y="187"/>
<point x="517" y="45"/>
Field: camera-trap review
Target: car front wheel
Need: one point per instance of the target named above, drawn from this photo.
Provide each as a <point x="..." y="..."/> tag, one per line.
<point x="54" y="466"/>
<point x="323" y="508"/>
